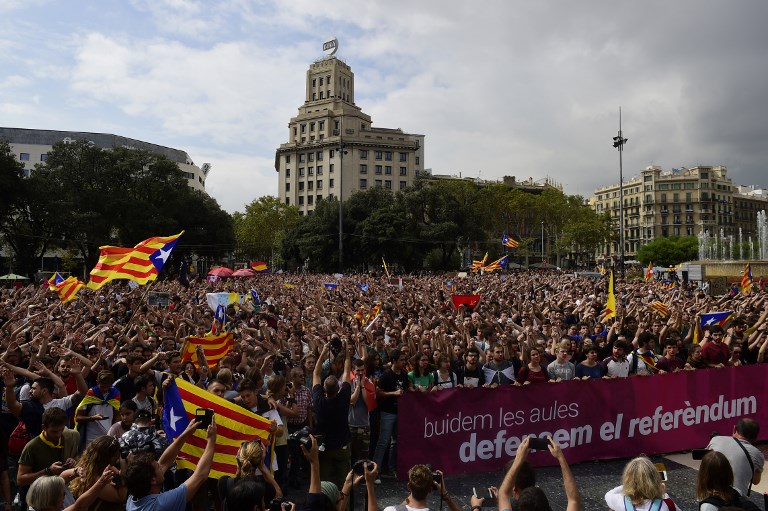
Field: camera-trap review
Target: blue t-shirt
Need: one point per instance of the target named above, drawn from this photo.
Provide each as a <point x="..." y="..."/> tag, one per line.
<point x="174" y="500"/>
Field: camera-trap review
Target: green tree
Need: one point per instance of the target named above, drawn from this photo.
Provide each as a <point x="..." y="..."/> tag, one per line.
<point x="260" y="230"/>
<point x="669" y="251"/>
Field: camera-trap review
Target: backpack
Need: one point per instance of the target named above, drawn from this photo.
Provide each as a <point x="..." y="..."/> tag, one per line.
<point x="738" y="501"/>
<point x="18" y="439"/>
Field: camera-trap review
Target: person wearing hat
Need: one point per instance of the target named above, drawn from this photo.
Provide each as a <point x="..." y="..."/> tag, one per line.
<point x="143" y="437"/>
<point x="99" y="409"/>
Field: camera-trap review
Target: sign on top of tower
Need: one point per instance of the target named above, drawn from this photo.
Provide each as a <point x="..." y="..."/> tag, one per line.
<point x="330" y="46"/>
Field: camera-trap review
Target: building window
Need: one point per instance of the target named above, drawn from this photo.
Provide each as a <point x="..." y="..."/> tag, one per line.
<point x="287" y="173"/>
<point x="319" y="185"/>
<point x="319" y="198"/>
<point x="377" y="155"/>
<point x="321" y="125"/>
<point x="363" y="168"/>
<point x="363" y="154"/>
<point x="388" y="170"/>
<point x="403" y="156"/>
<point x="321" y="97"/>
<point x="704" y="175"/>
<point x="287" y="187"/>
<point x="287" y="201"/>
<point x="303" y="128"/>
<point x="44" y="157"/>
<point x="311" y="126"/>
<point x="403" y="171"/>
<point x="388" y="184"/>
<point x="310" y="199"/>
<point x="319" y="156"/>
<point x="302" y="158"/>
<point x="310" y="156"/>
<point x="330" y="183"/>
<point x="314" y="96"/>
<point x="301" y="200"/>
<point x="402" y="185"/>
<point x="378" y="169"/>
<point x="331" y="153"/>
<point x="363" y="184"/>
<point x="310" y="171"/>
<point x="301" y="171"/>
<point x="330" y="168"/>
<point x="417" y="160"/>
<point x="388" y="155"/>
<point x="287" y="158"/>
<point x="24" y="157"/>
<point x="378" y="183"/>
<point x="319" y="170"/>
<point x="310" y="185"/>
<point x="301" y="186"/>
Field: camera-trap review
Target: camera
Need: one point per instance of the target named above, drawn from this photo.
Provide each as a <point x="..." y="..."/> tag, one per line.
<point x="359" y="466"/>
<point x="289" y="385"/>
<point x="276" y="504"/>
<point x="437" y="477"/>
<point x="301" y="437"/>
<point x="540" y="444"/>
<point x="335" y="346"/>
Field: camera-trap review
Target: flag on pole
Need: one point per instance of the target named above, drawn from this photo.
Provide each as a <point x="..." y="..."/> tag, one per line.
<point x="509" y="242"/>
<point x="55" y="281"/>
<point x="610" y="304"/>
<point x="219" y="321"/>
<point x="255" y="297"/>
<point x="746" y="280"/>
<point x="215" y="348"/>
<point x="386" y="270"/>
<point x="69" y="288"/>
<point x="140" y="264"/>
<point x="470" y="301"/>
<point x="649" y="276"/>
<point x="479" y="265"/>
<point x="498" y="264"/>
<point x="234" y="425"/>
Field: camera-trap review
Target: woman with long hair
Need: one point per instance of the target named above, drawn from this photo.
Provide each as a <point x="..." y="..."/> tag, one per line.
<point x="421" y="378"/>
<point x="695" y="359"/>
<point x="532" y="370"/>
<point x="250" y="464"/>
<point x="97" y="456"/>
<point x="642" y="489"/>
<point x="714" y="484"/>
<point x="444" y="378"/>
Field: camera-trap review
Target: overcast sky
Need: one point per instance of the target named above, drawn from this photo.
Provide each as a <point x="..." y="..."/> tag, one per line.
<point x="522" y="88"/>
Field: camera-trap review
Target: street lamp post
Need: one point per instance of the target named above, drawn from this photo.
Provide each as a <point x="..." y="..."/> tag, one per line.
<point x="342" y="151"/>
<point x="618" y="142"/>
<point x="542" y="242"/>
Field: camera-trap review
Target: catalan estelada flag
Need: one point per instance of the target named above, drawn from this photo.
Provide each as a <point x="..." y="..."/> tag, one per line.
<point x="68" y="289"/>
<point x="95" y="397"/>
<point x="260" y="266"/>
<point x="479" y="265"/>
<point x="610" y="304"/>
<point x="498" y="264"/>
<point x="55" y="281"/>
<point x="715" y="318"/>
<point x="470" y="301"/>
<point x="746" y="280"/>
<point x="509" y="242"/>
<point x="649" y="276"/>
<point x="234" y="425"/>
<point x="215" y="348"/>
<point x="140" y="264"/>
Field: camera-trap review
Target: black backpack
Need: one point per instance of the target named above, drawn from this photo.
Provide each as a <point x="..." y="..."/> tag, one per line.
<point x="738" y="501"/>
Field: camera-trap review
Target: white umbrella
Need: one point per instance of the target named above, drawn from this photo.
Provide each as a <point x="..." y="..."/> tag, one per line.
<point x="13" y="276"/>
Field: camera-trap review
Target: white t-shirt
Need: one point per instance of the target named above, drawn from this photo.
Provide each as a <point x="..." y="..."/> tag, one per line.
<point x="409" y="508"/>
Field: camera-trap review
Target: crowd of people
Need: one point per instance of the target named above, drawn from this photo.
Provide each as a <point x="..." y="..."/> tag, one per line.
<point x="84" y="381"/>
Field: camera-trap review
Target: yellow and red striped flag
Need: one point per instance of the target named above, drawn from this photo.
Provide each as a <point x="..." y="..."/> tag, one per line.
<point x="66" y="288"/>
<point x="234" y="425"/>
<point x="141" y="263"/>
<point x="215" y="348"/>
<point x="746" y="280"/>
<point x="660" y="307"/>
<point x="610" y="304"/>
<point x="479" y="265"/>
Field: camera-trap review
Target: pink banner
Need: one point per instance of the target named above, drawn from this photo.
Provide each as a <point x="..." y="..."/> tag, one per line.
<point x="479" y="430"/>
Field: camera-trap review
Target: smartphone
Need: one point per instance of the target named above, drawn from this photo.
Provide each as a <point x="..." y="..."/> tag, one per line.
<point x="205" y="416"/>
<point x="489" y="501"/>
<point x="662" y="468"/>
<point x="539" y="444"/>
<point x="699" y="453"/>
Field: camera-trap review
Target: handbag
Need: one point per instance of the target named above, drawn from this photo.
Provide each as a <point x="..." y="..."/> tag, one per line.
<point x="18" y="439"/>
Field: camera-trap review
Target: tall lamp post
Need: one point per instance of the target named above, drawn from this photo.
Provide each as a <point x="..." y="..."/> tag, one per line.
<point x="342" y="151"/>
<point x="618" y="142"/>
<point x="542" y="243"/>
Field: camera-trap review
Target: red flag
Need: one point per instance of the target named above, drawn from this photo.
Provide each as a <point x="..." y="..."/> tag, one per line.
<point x="470" y="301"/>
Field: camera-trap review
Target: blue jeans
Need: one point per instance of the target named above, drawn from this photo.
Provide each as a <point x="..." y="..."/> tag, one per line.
<point x="387" y="433"/>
